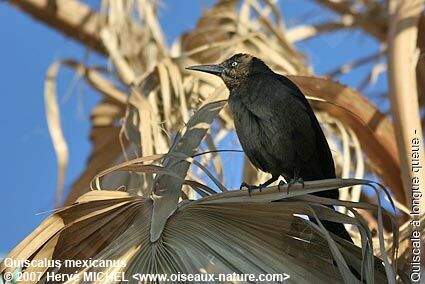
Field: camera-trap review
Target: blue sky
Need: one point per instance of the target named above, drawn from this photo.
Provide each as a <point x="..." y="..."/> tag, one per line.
<point x="28" y="168"/>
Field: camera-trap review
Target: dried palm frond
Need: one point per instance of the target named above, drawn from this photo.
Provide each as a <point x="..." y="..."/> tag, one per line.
<point x="403" y="94"/>
<point x="223" y="233"/>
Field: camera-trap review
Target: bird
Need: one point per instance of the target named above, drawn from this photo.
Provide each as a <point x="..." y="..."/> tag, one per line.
<point x="276" y="126"/>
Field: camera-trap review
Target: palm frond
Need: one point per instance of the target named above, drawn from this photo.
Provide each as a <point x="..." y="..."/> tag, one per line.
<point x="222" y="233"/>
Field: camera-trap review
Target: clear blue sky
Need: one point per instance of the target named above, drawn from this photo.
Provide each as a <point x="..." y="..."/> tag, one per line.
<point x="28" y="167"/>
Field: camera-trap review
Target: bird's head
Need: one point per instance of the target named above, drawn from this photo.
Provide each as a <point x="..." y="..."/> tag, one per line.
<point x="234" y="70"/>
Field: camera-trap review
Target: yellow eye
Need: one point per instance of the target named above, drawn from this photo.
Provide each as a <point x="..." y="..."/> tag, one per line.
<point x="234" y="63"/>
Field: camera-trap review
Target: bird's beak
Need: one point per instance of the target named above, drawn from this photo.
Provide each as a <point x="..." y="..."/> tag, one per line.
<point x="212" y="69"/>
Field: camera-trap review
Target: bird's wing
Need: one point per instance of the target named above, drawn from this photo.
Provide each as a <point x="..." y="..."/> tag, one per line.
<point x="284" y="117"/>
<point x="324" y="153"/>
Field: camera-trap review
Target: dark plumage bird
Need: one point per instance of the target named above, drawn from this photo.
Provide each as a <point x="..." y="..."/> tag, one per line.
<point x="276" y="125"/>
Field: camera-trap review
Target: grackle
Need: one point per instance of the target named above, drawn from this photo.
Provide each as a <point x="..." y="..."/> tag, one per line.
<point x="276" y="126"/>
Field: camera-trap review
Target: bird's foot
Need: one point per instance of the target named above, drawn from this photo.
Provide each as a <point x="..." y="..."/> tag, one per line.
<point x="300" y="181"/>
<point x="261" y="186"/>
<point x="294" y="181"/>
<point x="250" y="187"/>
<point x="291" y="183"/>
<point x="280" y="184"/>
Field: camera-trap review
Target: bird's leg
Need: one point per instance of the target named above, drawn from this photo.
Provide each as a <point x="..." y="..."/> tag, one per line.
<point x="292" y="181"/>
<point x="280" y="184"/>
<point x="268" y="182"/>
<point x="249" y="187"/>
<point x="260" y="187"/>
<point x="295" y="180"/>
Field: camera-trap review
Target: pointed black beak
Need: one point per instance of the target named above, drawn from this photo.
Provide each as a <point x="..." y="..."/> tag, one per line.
<point x="212" y="69"/>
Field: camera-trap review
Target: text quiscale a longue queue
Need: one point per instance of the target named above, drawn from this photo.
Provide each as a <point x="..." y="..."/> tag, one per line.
<point x="9" y="262"/>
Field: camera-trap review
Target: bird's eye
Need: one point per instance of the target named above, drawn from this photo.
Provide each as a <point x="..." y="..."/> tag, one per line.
<point x="234" y="63"/>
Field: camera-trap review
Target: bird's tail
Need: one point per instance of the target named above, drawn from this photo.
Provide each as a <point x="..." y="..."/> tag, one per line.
<point x="335" y="228"/>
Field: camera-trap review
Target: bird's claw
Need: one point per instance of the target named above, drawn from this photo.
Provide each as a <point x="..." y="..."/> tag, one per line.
<point x="294" y="181"/>
<point x="301" y="181"/>
<point x="291" y="183"/>
<point x="261" y="187"/>
<point x="250" y="187"/>
<point x="280" y="184"/>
